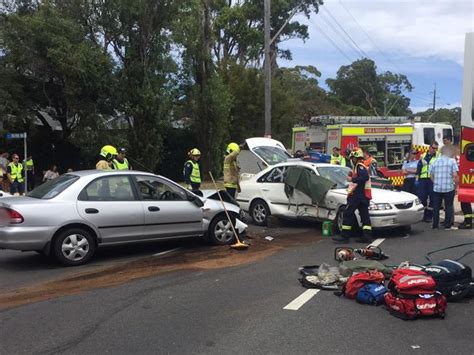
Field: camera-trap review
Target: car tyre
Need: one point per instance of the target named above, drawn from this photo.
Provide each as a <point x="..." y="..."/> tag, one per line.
<point x="74" y="246"/>
<point x="259" y="212"/>
<point x="220" y="230"/>
<point x="339" y="219"/>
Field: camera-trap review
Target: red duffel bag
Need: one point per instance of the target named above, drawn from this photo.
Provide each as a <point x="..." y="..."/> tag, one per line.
<point x="412" y="294"/>
<point x="359" y="280"/>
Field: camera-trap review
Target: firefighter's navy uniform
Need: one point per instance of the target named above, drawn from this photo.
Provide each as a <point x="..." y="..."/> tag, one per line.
<point x="358" y="198"/>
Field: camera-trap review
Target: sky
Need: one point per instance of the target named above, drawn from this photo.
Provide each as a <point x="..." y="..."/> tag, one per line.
<point x="423" y="39"/>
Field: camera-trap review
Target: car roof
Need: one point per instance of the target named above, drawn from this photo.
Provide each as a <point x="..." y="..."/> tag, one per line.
<point x="84" y="173"/>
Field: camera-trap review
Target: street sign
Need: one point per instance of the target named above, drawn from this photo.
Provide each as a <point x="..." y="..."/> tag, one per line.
<point x="15" y="135"/>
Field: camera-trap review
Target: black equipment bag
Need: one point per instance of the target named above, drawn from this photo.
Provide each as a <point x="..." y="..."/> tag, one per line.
<point x="453" y="279"/>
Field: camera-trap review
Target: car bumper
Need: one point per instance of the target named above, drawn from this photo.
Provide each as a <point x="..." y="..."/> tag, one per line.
<point x="25" y="238"/>
<point x="397" y="218"/>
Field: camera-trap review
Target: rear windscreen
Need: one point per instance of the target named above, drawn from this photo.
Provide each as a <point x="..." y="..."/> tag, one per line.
<point x="54" y="187"/>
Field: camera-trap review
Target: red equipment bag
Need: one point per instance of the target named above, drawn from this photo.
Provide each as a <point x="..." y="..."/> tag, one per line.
<point x="411" y="282"/>
<point x="413" y="294"/>
<point x="359" y="280"/>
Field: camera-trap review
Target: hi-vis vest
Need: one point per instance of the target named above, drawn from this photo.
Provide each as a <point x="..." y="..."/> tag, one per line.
<point x="339" y="160"/>
<point x="425" y="165"/>
<point x="196" y="173"/>
<point x="29" y="164"/>
<point x="16" y="171"/>
<point x="121" y="166"/>
<point x="368" y="183"/>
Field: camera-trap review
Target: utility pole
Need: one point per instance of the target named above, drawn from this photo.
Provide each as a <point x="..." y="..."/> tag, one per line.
<point x="267" y="72"/>
<point x="434" y="97"/>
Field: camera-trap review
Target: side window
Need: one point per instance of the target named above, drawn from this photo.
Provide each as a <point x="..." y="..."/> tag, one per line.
<point x="447" y="132"/>
<point x="275" y="175"/>
<point x="154" y="189"/>
<point x="108" y="188"/>
<point x="470" y="152"/>
<point x="428" y="135"/>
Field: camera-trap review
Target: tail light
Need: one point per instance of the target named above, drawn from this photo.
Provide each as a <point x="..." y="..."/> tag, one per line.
<point x="10" y="216"/>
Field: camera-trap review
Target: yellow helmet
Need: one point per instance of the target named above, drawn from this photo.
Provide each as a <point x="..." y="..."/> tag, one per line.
<point x="233" y="147"/>
<point x="357" y="153"/>
<point x="194" y="152"/>
<point x="108" y="151"/>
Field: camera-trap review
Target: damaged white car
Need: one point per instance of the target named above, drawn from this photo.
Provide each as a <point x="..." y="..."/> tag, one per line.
<point x="303" y="194"/>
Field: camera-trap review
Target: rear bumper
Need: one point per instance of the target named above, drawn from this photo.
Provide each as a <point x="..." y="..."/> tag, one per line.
<point x="397" y="218"/>
<point x="25" y="238"/>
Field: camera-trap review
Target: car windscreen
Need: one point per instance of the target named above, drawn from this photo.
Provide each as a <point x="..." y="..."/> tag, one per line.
<point x="337" y="174"/>
<point x="53" y="188"/>
<point x="271" y="155"/>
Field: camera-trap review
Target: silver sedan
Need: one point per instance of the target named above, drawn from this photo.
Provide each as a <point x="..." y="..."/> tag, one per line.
<point x="71" y="216"/>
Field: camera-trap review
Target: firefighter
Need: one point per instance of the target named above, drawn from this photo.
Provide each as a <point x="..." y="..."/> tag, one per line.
<point x="466" y="209"/>
<point x="121" y="162"/>
<point x="358" y="198"/>
<point x="369" y="161"/>
<point x="423" y="183"/>
<point x="192" y="171"/>
<point x="337" y="158"/>
<point x="231" y="169"/>
<point x="107" y="154"/>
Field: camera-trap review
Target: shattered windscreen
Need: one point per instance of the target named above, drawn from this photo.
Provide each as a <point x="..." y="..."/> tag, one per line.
<point x="272" y="155"/>
<point x="337" y="174"/>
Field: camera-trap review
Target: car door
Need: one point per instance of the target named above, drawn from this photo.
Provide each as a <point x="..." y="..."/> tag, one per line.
<point x="167" y="210"/>
<point x="301" y="204"/>
<point x="111" y="204"/>
<point x="272" y="186"/>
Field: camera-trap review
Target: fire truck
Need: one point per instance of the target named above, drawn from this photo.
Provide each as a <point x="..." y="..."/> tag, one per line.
<point x="466" y="162"/>
<point x="389" y="138"/>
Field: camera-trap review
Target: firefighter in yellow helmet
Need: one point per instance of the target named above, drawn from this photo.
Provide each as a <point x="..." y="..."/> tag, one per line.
<point x="358" y="198"/>
<point x="192" y="170"/>
<point x="107" y="154"/>
<point x="231" y="169"/>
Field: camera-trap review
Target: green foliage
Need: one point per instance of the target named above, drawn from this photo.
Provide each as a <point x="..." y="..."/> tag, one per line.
<point x="359" y="85"/>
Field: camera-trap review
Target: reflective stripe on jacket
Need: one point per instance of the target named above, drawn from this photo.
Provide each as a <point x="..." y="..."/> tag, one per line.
<point x="195" y="176"/>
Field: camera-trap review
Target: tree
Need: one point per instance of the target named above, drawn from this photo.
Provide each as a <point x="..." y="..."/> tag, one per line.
<point x="52" y="69"/>
<point x="359" y="84"/>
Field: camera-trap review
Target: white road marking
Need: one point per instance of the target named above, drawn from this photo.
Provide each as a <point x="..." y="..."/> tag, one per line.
<point x="301" y="299"/>
<point x="166" y="252"/>
<point x="376" y="242"/>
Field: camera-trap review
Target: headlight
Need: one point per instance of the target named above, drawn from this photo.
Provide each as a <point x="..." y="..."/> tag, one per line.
<point x="417" y="201"/>
<point x="379" y="206"/>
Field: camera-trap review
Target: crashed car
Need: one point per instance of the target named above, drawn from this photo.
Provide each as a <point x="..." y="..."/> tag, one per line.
<point x="69" y="217"/>
<point x="300" y="189"/>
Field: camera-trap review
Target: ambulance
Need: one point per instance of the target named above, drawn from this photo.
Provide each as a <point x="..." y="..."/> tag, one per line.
<point x="466" y="162"/>
<point x="389" y="138"/>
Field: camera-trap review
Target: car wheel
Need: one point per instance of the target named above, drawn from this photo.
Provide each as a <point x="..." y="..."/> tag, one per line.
<point x="339" y="219"/>
<point x="220" y="230"/>
<point x="259" y="212"/>
<point x="73" y="247"/>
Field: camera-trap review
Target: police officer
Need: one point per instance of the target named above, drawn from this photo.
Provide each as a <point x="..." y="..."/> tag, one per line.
<point x="30" y="172"/>
<point x="107" y="154"/>
<point x="337" y="158"/>
<point x="192" y="170"/>
<point x="423" y="183"/>
<point x="16" y="176"/>
<point x="231" y="169"/>
<point x="358" y="198"/>
<point x="121" y="162"/>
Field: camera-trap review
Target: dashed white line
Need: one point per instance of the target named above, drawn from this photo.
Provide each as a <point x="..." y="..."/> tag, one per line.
<point x="301" y="299"/>
<point x="376" y="242"/>
<point x="166" y="252"/>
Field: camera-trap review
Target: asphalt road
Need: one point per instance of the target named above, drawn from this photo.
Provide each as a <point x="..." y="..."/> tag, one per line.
<point x="240" y="309"/>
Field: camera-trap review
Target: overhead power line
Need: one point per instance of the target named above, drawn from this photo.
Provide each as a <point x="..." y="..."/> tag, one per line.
<point x="347" y="34"/>
<point x="330" y="40"/>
